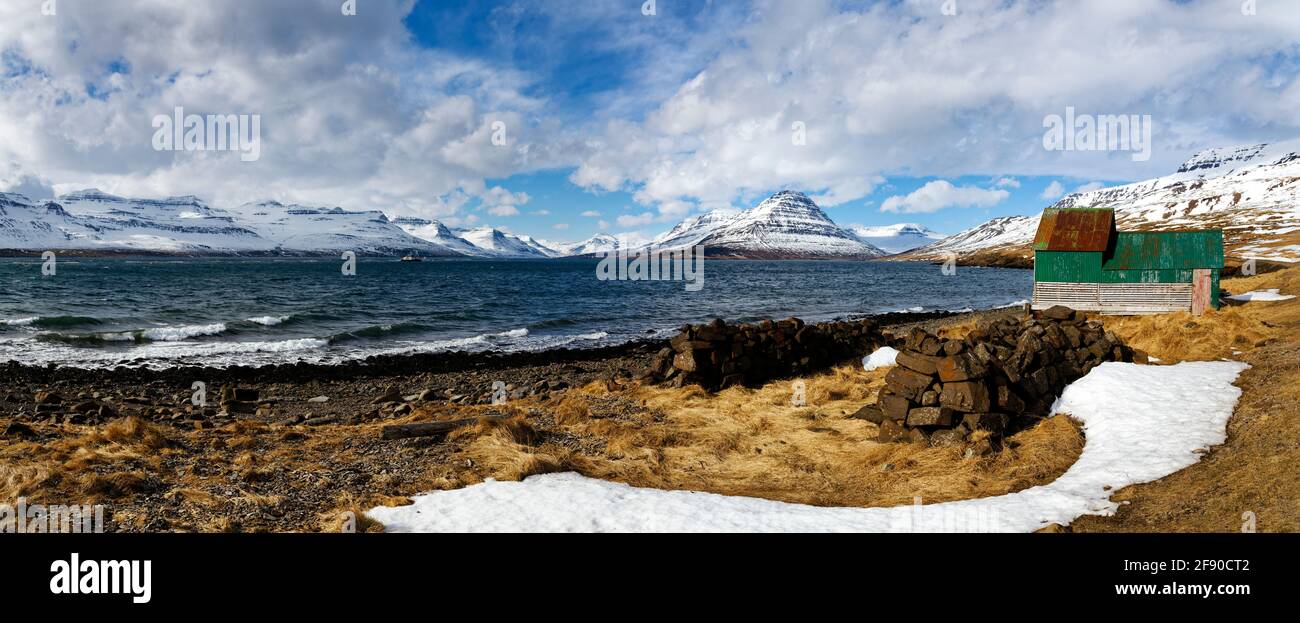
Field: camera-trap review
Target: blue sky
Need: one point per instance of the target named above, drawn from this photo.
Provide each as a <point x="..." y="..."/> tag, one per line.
<point x="620" y="122"/>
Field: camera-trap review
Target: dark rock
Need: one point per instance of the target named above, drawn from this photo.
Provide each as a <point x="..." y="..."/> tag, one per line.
<point x="908" y="383"/>
<point x="870" y="413"/>
<point x="967" y="396"/>
<point x="962" y="367"/>
<point x="930" y="416"/>
<point x="917" y="362"/>
<point x="891" y="431"/>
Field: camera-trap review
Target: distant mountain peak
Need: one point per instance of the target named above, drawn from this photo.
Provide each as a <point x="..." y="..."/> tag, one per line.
<point x="787" y="224"/>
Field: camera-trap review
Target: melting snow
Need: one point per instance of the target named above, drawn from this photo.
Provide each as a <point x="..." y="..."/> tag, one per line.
<point x="882" y="358"/>
<point x="1263" y="295"/>
<point x="1142" y="423"/>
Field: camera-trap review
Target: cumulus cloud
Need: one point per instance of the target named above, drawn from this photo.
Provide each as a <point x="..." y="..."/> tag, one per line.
<point x="822" y="96"/>
<point x="351" y="112"/>
<point x="1089" y="187"/>
<point x="591" y="214"/>
<point x="1053" y="191"/>
<point x="636" y="220"/>
<point x="826" y="97"/>
<point x="1007" y="182"/>
<point x="940" y="194"/>
<point x="14" y="180"/>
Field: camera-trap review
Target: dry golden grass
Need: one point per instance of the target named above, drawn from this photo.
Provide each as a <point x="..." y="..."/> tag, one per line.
<point x="759" y="442"/>
<point x="1183" y="337"/>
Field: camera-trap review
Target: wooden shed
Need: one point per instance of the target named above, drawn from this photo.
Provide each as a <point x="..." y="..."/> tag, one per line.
<point x="1081" y="261"/>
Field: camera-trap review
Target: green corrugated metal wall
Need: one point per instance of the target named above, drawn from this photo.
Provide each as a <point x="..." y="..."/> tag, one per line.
<point x="1138" y="257"/>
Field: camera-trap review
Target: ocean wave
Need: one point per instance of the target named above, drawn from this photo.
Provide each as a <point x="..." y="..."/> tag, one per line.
<point x="180" y="334"/>
<point x="553" y="322"/>
<point x="270" y="321"/>
<point x="152" y="334"/>
<point x="378" y="331"/>
<point x="50" y="322"/>
<point x="511" y="333"/>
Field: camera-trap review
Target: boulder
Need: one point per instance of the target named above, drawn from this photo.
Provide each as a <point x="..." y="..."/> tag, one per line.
<point x="966" y="396"/>
<point x="931" y="416"/>
<point x="908" y="383"/>
<point x="917" y="362"/>
<point x="894" y="407"/>
<point x="961" y="367"/>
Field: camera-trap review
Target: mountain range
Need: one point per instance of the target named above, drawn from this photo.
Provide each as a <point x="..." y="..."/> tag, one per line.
<point x="1252" y="193"/>
<point x="786" y="225"/>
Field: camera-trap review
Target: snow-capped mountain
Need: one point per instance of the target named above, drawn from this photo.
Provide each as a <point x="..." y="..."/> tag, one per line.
<point x="541" y="247"/>
<point x="436" y="233"/>
<point x="91" y="219"/>
<point x="693" y="229"/>
<point x="98" y="221"/>
<point x="297" y="228"/>
<point x="898" y="237"/>
<point x="1252" y="193"/>
<point x="787" y="225"/>
<point x="496" y="243"/>
<point x="600" y="243"/>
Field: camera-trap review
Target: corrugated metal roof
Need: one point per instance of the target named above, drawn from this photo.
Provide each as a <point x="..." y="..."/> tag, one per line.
<point x="1166" y="250"/>
<point x="1075" y="229"/>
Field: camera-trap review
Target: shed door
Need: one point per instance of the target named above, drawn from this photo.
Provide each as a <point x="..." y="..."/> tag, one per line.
<point x="1200" y="290"/>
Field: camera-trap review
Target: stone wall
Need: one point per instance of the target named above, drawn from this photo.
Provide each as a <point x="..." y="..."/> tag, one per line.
<point x="997" y="378"/>
<point x="718" y="355"/>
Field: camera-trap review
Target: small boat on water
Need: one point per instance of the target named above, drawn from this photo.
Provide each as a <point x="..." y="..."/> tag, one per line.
<point x="411" y="258"/>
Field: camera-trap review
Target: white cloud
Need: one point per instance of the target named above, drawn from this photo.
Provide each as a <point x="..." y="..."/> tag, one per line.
<point x="591" y="214"/>
<point x="636" y="220"/>
<point x="1053" y="191"/>
<point x="1007" y="182"/>
<point x="542" y="212"/>
<point x="1089" y="187"/>
<point x="561" y="226"/>
<point x="355" y="114"/>
<point x="893" y="87"/>
<point x="940" y="194"/>
<point x="14" y="180"/>
<point x="602" y="225"/>
<point x="503" y="210"/>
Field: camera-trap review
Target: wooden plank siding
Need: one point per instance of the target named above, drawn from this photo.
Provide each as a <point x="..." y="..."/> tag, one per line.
<point x="1114" y="298"/>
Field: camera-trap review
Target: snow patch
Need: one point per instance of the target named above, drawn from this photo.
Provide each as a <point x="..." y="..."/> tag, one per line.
<point x="1142" y="423"/>
<point x="883" y="357"/>
<point x="1263" y="295"/>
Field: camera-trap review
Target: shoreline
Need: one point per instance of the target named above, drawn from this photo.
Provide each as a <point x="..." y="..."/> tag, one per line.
<point x="405" y="363"/>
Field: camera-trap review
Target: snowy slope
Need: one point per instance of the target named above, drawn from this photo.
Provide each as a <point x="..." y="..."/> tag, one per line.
<point x="600" y="243"/>
<point x="300" y="228"/>
<point x="1141" y="423"/>
<point x="787" y="225"/>
<point x="541" y="247"/>
<point x="91" y="219"/>
<point x="1252" y="193"/>
<point x="496" y="243"/>
<point x="1004" y="232"/>
<point x="898" y="237"/>
<point x="436" y="233"/>
<point x="693" y="229"/>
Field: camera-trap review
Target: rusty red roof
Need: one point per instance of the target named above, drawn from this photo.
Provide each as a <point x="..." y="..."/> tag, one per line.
<point x="1075" y="229"/>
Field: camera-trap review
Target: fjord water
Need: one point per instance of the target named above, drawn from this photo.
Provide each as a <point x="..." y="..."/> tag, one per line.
<point x="97" y="312"/>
